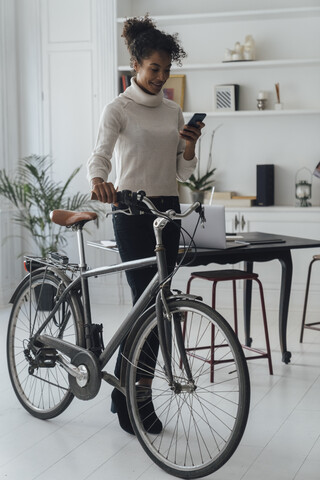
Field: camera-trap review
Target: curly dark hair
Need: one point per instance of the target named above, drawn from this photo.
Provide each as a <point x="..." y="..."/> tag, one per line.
<point x="142" y="38"/>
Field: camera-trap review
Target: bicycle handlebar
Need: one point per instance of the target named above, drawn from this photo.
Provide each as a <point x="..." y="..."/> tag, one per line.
<point x="132" y="199"/>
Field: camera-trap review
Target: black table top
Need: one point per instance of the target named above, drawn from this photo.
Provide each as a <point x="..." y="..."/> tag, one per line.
<point x="262" y="252"/>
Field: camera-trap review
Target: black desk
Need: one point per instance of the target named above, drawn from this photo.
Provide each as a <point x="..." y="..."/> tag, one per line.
<point x="260" y="253"/>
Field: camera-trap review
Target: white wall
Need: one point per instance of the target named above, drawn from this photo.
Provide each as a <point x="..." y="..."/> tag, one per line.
<point x="10" y="245"/>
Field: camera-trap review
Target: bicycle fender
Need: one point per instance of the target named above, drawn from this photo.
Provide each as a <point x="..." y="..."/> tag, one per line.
<point x="20" y="284"/>
<point x="26" y="279"/>
<point x="184" y="296"/>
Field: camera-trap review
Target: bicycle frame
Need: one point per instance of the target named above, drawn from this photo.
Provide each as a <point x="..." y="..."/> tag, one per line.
<point x="157" y="291"/>
<point x="125" y="326"/>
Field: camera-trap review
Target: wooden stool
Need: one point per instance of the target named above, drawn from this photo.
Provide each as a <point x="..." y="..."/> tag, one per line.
<point x="304" y="325"/>
<point x="216" y="276"/>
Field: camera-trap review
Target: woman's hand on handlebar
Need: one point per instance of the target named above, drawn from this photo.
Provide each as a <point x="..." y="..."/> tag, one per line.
<point x="103" y="191"/>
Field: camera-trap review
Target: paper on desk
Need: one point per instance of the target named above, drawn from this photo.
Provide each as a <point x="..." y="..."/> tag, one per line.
<point x="108" y="243"/>
<point x="233" y="238"/>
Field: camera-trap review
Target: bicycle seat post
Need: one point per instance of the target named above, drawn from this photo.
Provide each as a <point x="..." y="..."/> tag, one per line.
<point x="84" y="285"/>
<point x="82" y="257"/>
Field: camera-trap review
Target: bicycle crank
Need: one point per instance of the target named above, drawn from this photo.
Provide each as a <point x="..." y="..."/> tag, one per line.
<point x="84" y="375"/>
<point x="84" y="369"/>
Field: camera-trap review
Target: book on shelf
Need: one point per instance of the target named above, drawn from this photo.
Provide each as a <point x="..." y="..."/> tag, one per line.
<point x="124" y="82"/>
<point x="244" y="197"/>
<point x="230" y="199"/>
<point x="223" y="195"/>
<point x="234" y="202"/>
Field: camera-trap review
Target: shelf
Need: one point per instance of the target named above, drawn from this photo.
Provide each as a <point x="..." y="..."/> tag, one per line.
<point x="260" y="113"/>
<point x="306" y="62"/>
<point x="234" y="16"/>
<point x="278" y="208"/>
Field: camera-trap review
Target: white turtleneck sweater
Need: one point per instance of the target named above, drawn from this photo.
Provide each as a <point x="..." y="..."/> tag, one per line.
<point x="142" y="131"/>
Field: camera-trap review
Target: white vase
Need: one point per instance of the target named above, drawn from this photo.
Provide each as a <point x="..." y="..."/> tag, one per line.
<point x="197" y="196"/>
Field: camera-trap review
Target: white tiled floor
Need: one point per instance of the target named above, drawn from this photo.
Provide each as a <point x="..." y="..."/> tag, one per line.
<point x="281" y="442"/>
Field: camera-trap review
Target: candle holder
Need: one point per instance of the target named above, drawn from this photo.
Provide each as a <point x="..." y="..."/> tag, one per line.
<point x="303" y="188"/>
<point x="261" y="103"/>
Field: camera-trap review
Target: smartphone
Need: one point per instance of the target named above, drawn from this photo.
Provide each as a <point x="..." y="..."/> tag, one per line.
<point x="197" y="117"/>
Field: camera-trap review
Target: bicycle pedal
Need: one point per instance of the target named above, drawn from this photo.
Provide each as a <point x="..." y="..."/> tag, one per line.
<point x="46" y="358"/>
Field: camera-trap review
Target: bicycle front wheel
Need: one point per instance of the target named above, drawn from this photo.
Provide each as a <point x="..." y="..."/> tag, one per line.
<point x="202" y="421"/>
<point x="39" y="382"/>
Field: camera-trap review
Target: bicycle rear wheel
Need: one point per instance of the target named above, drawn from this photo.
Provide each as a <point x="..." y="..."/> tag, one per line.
<point x="39" y="382"/>
<point x="202" y="424"/>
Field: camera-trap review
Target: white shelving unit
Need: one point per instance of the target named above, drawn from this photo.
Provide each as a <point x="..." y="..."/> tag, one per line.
<point x="269" y="14"/>
<point x="303" y="62"/>
<point x="287" y="52"/>
<point x="192" y="70"/>
<point x="257" y="113"/>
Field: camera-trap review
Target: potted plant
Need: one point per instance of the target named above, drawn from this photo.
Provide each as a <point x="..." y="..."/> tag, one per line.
<point x="34" y="194"/>
<point x="200" y="183"/>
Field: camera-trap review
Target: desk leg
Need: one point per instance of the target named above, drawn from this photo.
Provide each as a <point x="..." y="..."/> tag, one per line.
<point x="247" y="297"/>
<point x="286" y="280"/>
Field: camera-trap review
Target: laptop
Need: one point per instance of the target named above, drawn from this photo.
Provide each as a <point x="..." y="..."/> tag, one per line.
<point x="212" y="234"/>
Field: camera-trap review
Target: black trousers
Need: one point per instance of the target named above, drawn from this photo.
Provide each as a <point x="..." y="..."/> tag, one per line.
<point x="135" y="239"/>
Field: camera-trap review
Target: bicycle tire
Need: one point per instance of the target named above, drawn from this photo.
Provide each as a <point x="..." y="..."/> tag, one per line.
<point x="43" y="391"/>
<point x="203" y="427"/>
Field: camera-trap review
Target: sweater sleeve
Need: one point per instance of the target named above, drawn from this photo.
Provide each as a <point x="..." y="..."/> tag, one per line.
<point x="185" y="168"/>
<point x="99" y="163"/>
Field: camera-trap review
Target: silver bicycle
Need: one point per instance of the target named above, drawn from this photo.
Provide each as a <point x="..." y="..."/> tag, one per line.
<point x="56" y="352"/>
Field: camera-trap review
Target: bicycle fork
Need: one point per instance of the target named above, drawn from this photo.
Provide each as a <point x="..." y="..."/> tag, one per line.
<point x="165" y="320"/>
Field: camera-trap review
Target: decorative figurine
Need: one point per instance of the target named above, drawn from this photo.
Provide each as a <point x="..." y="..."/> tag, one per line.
<point x="240" y="52"/>
<point x="249" y="52"/>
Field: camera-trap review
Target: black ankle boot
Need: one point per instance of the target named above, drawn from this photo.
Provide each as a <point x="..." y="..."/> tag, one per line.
<point x="148" y="416"/>
<point x="119" y="406"/>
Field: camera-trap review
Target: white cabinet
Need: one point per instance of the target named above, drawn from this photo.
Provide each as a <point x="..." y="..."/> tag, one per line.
<point x="294" y="221"/>
<point x="236" y="221"/>
<point x="253" y="220"/>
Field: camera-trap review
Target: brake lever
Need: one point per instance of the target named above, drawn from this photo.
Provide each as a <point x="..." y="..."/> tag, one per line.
<point x="114" y="212"/>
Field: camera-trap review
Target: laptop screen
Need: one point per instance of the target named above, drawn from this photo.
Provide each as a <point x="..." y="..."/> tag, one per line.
<point x="210" y="235"/>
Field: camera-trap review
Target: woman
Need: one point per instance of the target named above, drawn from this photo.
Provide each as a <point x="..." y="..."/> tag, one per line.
<point x="153" y="148"/>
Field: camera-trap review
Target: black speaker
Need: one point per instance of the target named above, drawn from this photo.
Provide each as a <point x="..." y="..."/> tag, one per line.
<point x="265" y="185"/>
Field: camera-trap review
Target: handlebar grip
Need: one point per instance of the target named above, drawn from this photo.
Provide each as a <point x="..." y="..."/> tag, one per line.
<point x="130" y="198"/>
<point x="125" y="196"/>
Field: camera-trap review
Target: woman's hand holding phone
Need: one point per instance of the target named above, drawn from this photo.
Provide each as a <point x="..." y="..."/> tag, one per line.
<point x="190" y="133"/>
<point x="192" y="130"/>
<point x="197" y="117"/>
